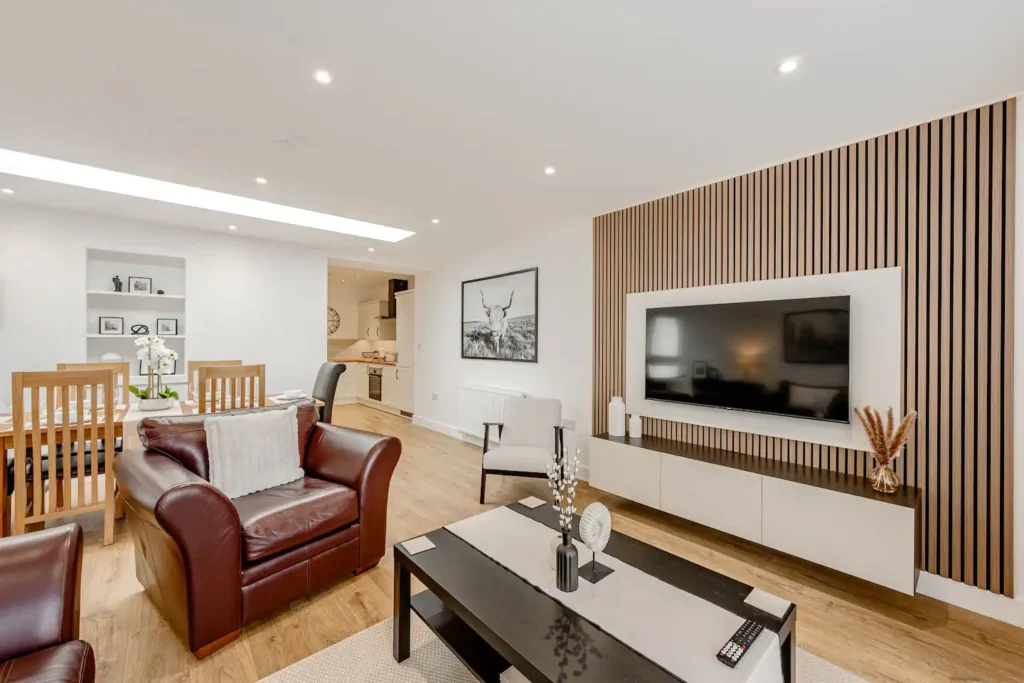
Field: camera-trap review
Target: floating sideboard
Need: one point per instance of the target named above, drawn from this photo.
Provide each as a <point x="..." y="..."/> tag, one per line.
<point x="830" y="518"/>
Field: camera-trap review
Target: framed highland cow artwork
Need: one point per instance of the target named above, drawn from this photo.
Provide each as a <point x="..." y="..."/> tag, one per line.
<point x="499" y="317"/>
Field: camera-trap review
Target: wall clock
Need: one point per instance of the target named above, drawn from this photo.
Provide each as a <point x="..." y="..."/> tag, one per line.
<point x="333" y="320"/>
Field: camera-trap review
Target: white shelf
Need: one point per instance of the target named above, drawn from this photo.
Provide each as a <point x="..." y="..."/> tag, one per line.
<point x="167" y="379"/>
<point x="100" y="292"/>
<point x="133" y="337"/>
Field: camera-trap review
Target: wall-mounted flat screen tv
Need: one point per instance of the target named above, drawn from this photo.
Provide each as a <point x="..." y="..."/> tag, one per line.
<point x="784" y="357"/>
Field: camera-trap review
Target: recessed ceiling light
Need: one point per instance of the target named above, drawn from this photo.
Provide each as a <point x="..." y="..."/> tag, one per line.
<point x="436" y="221"/>
<point x="322" y="76"/>
<point x="261" y="180"/>
<point x="7" y="190"/>
<point x="232" y="227"/>
<point x="89" y="177"/>
<point x="369" y="249"/>
<point x="789" y="65"/>
<point x="549" y="170"/>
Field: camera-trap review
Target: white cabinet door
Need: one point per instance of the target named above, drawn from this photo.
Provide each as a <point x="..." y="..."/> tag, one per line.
<point x="362" y="380"/>
<point x="405" y="335"/>
<point x="405" y="389"/>
<point x="366" y="322"/>
<point x="389" y="386"/>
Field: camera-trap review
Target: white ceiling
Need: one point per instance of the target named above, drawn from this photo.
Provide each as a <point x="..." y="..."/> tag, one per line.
<point x="452" y="108"/>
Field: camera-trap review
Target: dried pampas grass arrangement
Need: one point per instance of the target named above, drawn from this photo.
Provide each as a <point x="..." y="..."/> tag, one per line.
<point x="887" y="440"/>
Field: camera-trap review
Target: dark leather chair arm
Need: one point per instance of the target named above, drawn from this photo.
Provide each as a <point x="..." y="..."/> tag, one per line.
<point x="40" y="574"/>
<point x="205" y="527"/>
<point x="362" y="461"/>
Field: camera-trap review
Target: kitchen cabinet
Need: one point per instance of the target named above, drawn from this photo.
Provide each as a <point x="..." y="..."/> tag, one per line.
<point x="372" y="323"/>
<point x="362" y="380"/>
<point x="404" y="396"/>
<point x="405" y="335"/>
<point x="389" y="391"/>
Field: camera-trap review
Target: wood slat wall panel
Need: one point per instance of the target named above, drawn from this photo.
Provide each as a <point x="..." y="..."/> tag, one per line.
<point x="935" y="199"/>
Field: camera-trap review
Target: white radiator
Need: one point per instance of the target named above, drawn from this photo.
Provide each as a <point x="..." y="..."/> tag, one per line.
<point x="479" y="404"/>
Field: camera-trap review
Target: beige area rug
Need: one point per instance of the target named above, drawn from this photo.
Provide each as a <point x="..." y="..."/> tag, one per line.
<point x="366" y="658"/>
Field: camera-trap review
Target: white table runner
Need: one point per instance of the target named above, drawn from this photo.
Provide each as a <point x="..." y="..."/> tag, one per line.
<point x="680" y="632"/>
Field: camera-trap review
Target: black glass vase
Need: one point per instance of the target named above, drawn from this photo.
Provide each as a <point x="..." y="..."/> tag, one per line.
<point x="567" y="570"/>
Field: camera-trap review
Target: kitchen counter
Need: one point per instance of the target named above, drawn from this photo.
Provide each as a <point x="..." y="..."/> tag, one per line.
<point x="369" y="361"/>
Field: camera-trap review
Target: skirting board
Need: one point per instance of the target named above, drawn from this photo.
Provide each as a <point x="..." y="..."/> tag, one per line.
<point x="977" y="600"/>
<point x="345" y="400"/>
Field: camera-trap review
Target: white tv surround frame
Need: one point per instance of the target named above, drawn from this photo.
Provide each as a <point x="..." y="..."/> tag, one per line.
<point x="876" y="343"/>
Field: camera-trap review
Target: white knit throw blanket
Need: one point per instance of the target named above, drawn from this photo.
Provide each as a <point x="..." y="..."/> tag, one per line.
<point x="253" y="452"/>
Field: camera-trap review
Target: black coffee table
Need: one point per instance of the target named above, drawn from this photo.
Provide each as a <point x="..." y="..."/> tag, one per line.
<point x="491" y="619"/>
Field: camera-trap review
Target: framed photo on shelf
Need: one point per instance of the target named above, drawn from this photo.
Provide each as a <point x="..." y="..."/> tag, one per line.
<point x="140" y="285"/>
<point x="144" y="368"/>
<point x="111" y="325"/>
<point x="700" y="369"/>
<point x="167" y="326"/>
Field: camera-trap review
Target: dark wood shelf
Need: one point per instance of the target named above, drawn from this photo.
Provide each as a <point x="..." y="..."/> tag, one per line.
<point x="849" y="484"/>
<point x="473" y="651"/>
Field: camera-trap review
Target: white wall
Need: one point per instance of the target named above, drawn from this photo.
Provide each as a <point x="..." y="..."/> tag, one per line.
<point x="263" y="302"/>
<point x="564" y="257"/>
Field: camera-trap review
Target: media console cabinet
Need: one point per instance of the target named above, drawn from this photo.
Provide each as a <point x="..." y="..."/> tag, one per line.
<point x="833" y="519"/>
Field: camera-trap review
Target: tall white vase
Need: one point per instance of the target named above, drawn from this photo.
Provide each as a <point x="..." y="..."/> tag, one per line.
<point x="616" y="417"/>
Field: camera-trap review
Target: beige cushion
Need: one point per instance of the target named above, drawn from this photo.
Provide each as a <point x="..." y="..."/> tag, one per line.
<point x="531" y="422"/>
<point x="519" y="458"/>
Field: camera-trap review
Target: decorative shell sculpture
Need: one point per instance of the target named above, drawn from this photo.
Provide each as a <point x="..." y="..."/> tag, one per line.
<point x="596" y="527"/>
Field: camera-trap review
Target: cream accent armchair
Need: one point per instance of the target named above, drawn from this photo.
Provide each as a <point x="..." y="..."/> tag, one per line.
<point x="530" y="433"/>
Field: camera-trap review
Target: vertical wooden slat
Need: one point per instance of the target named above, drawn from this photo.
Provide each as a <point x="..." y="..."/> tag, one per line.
<point x="984" y="341"/>
<point x="94" y="470"/>
<point x="51" y="450"/>
<point x="996" y="357"/>
<point x="66" y="446"/>
<point x="20" y="452"/>
<point x="37" y="455"/>
<point x="971" y="352"/>
<point x="80" y="397"/>
<point x="945" y="232"/>
<point x="956" y="305"/>
<point x="1009" y="246"/>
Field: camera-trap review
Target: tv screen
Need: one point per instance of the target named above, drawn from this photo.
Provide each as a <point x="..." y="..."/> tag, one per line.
<point x="785" y="357"/>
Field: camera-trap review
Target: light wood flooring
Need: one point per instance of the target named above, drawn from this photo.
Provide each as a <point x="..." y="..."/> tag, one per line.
<point x="873" y="632"/>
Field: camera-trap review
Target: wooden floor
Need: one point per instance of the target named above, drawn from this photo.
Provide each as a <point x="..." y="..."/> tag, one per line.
<point x="873" y="632"/>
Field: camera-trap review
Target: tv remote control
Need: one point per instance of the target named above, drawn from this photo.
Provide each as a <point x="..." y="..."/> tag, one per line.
<point x="733" y="651"/>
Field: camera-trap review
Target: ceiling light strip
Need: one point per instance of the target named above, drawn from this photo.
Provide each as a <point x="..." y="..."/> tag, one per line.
<point x="79" y="175"/>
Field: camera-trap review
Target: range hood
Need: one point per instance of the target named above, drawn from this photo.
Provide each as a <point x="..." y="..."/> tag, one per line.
<point x="394" y="285"/>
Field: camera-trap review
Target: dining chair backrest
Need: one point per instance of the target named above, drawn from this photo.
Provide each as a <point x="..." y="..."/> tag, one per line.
<point x="122" y="379"/>
<point x="531" y="422"/>
<point x="39" y="424"/>
<point x="326" y="386"/>
<point x="193" y="372"/>
<point x="229" y="383"/>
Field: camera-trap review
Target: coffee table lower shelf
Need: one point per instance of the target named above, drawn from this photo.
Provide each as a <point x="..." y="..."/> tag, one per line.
<point x="473" y="651"/>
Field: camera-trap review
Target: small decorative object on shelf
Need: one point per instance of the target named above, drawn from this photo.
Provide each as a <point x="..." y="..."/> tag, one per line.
<point x="887" y="440"/>
<point x="636" y="427"/>
<point x="111" y="325"/>
<point x="140" y="285"/>
<point x="159" y="291"/>
<point x="118" y="285"/>
<point x="595" y="530"/>
<point x="140" y="329"/>
<point x="562" y="479"/>
<point x="111" y="358"/>
<point x="159" y="361"/>
<point x="168" y="326"/>
<point x="616" y="417"/>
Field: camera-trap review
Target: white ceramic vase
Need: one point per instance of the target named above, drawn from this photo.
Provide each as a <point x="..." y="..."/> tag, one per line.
<point x="636" y="427"/>
<point x="155" y="403"/>
<point x="616" y="417"/>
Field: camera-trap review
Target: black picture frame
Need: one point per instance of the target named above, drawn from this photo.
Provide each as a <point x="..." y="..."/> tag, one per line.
<point x="700" y="369"/>
<point x="816" y="351"/>
<point x="160" y="332"/>
<point x="133" y="280"/>
<point x="472" y="337"/>
<point x="143" y="370"/>
<point x="100" y="326"/>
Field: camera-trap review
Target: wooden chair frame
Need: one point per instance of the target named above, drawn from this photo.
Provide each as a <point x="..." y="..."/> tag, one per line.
<point x="49" y="385"/>
<point x="231" y="381"/>
<point x="122" y="376"/>
<point x="193" y="370"/>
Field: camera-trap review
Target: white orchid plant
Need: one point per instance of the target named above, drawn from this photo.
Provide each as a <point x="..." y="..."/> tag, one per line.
<point x="562" y="480"/>
<point x="160" y="361"/>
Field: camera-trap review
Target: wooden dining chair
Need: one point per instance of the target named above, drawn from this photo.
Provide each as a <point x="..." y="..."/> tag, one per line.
<point x="122" y="379"/>
<point x="193" y="372"/>
<point x="229" y="383"/>
<point x="36" y="487"/>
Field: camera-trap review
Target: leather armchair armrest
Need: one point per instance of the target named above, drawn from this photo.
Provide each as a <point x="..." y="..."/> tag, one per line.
<point x="40" y="574"/>
<point x="362" y="461"/>
<point x="204" y="526"/>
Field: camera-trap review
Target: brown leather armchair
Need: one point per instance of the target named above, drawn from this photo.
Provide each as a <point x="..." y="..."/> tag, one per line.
<point x="212" y="564"/>
<point x="40" y="574"/>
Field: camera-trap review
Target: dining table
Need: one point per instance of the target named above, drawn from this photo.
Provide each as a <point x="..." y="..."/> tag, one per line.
<point x="126" y="420"/>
